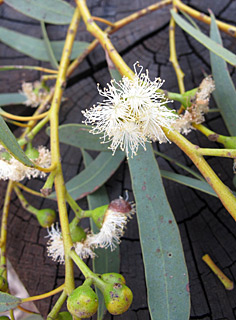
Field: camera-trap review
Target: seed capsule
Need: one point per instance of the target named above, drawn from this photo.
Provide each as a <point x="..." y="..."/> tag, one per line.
<point x="82" y="302"/>
<point x="118" y="298"/>
<point x="46" y="217"/>
<point x="113" y="278"/>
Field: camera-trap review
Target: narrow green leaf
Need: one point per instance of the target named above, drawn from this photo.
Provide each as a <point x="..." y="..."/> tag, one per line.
<point x="8" y="140"/>
<point x="165" y="269"/>
<point x="193" y="23"/>
<point x="8" y="302"/>
<point x="225" y="93"/>
<point x="51" y="11"/>
<point x="78" y="135"/>
<point x="11" y="98"/>
<point x="105" y="260"/>
<point x="94" y="176"/>
<point x="204" y="40"/>
<point x="48" y="46"/>
<point x="35" y="47"/>
<point x="189" y="182"/>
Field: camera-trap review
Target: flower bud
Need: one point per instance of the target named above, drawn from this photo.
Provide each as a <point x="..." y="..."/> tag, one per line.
<point x="82" y="302"/>
<point x="32" y="153"/>
<point x="4" y="318"/>
<point x="77" y="234"/>
<point x="46" y="217"/>
<point x="118" y="298"/>
<point x="65" y="315"/>
<point x="113" y="278"/>
<point x="3" y="284"/>
<point x="98" y="215"/>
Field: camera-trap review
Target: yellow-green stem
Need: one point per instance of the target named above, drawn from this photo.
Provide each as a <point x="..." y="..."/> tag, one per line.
<point x="74" y="205"/>
<point x="43" y="295"/>
<point x="5" y="213"/>
<point x="223" y="192"/>
<point x="227" y="28"/>
<point x="228" y="284"/>
<point x="57" y="307"/>
<point x="35" y="193"/>
<point x="24" y="202"/>
<point x="228" y="153"/>
<point x="55" y="150"/>
<point x="102" y="37"/>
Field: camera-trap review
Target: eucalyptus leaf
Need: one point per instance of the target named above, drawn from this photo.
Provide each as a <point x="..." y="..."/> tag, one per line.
<point x="94" y="176"/>
<point x="35" y="47"/>
<point x="189" y="182"/>
<point x="48" y="46"/>
<point x="11" y="98"/>
<point x="204" y="40"/>
<point x="8" y="140"/>
<point x="224" y="93"/>
<point x="51" y="11"/>
<point x="8" y="302"/>
<point x="105" y="260"/>
<point x="78" y="135"/>
<point x="165" y="269"/>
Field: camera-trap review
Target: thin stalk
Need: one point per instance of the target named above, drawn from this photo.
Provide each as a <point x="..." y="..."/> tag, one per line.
<point x="44" y="295"/>
<point x="57" y="307"/>
<point x="227" y="28"/>
<point x="18" y="67"/>
<point x="55" y="149"/>
<point x="223" y="192"/>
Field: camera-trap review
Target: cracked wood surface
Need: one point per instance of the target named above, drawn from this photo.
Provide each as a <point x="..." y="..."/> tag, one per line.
<point x="204" y="224"/>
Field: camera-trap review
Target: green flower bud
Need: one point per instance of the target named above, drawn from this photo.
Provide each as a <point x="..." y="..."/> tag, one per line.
<point x="46" y="217"/>
<point x="118" y="298"/>
<point x="82" y="302"/>
<point x="113" y="278"/>
<point x="3" y="284"/>
<point x="65" y="315"/>
<point x="98" y="215"/>
<point x="31" y="152"/>
<point x="78" y="234"/>
<point x="4" y="318"/>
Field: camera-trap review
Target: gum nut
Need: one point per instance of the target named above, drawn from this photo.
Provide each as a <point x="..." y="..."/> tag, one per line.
<point x="46" y="217"/>
<point x="82" y="302"/>
<point x="118" y="298"/>
<point x="65" y="315"/>
<point x="113" y="278"/>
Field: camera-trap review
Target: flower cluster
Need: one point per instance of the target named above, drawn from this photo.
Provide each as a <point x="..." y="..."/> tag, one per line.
<point x="12" y="169"/>
<point x="34" y="92"/>
<point x="132" y="113"/>
<point x="115" y="219"/>
<point x="195" y="113"/>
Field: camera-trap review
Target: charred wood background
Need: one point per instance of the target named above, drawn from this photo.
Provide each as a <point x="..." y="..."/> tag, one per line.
<point x="204" y="224"/>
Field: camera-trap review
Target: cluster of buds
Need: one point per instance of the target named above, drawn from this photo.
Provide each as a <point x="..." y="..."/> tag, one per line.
<point x="200" y="106"/>
<point x="35" y="93"/>
<point x="83" y="301"/>
<point x="110" y="219"/>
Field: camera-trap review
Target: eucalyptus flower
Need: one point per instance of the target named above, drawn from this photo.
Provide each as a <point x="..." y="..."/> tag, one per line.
<point x="132" y="113"/>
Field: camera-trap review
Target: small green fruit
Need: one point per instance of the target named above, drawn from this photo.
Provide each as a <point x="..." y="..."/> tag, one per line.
<point x="32" y="153"/>
<point x="82" y="302"/>
<point x="98" y="215"/>
<point x="46" y="217"/>
<point x="113" y="278"/>
<point x="118" y="298"/>
<point x="64" y="316"/>
<point x="4" y="318"/>
<point x="3" y="284"/>
<point x="77" y="233"/>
